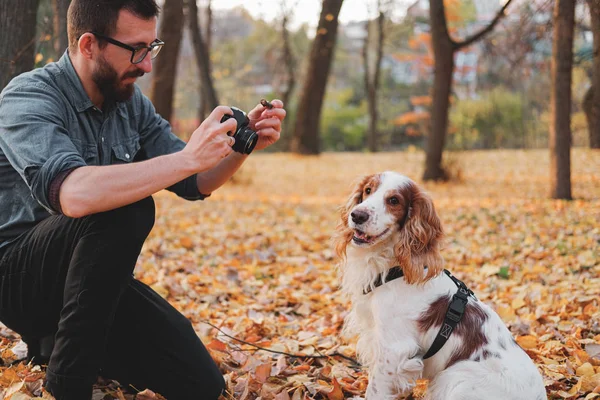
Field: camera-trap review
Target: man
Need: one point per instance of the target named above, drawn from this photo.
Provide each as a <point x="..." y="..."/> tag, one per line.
<point x="81" y="152"/>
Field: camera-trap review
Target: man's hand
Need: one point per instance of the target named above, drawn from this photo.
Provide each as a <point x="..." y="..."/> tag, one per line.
<point x="210" y="143"/>
<point x="267" y="123"/>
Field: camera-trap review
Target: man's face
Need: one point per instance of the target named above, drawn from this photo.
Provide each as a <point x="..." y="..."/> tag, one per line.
<point x="114" y="74"/>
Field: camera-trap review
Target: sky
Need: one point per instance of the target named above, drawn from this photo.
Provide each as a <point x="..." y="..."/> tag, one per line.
<point x="307" y="11"/>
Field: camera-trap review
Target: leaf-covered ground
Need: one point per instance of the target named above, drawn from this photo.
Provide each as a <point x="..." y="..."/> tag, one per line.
<point x="255" y="261"/>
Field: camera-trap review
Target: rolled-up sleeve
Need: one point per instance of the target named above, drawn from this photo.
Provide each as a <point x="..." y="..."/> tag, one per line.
<point x="34" y="138"/>
<point x="158" y="139"/>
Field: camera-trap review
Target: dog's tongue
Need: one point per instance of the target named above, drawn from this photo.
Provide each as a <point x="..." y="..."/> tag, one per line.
<point x="361" y="235"/>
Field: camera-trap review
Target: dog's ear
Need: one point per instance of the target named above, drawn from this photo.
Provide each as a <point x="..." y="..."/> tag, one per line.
<point x="420" y="238"/>
<point x="343" y="234"/>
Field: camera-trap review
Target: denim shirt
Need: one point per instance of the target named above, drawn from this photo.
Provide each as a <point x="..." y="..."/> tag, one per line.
<point x="48" y="124"/>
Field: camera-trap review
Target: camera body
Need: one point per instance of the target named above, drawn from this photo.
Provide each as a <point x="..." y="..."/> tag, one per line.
<point x="245" y="137"/>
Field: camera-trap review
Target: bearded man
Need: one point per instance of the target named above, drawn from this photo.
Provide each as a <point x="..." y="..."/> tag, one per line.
<point x="82" y="151"/>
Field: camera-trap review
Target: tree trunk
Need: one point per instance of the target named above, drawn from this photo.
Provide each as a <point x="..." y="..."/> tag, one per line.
<point x="17" y="30"/>
<point x="442" y="85"/>
<point x="165" y="65"/>
<point x="203" y="110"/>
<point x="592" y="109"/>
<point x="202" y="57"/>
<point x="61" y="41"/>
<point x="372" y="82"/>
<point x="443" y="53"/>
<point x="560" y="100"/>
<point x="367" y="77"/>
<point x="306" y="130"/>
<point x="290" y="63"/>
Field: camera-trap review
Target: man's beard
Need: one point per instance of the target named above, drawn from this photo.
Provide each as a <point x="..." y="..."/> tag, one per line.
<point x="109" y="83"/>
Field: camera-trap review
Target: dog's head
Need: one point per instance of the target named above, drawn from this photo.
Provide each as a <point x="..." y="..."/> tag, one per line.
<point x="389" y="209"/>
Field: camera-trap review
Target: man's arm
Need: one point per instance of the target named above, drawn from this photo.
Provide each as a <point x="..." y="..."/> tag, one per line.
<point x="93" y="189"/>
<point x="213" y="179"/>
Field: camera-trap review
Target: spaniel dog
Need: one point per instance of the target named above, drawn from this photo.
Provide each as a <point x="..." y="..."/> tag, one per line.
<point x="414" y="320"/>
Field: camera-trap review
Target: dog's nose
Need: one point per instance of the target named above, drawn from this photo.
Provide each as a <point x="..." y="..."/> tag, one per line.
<point x="359" y="217"/>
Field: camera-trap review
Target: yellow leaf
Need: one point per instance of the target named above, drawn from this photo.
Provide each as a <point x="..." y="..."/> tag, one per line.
<point x="518" y="303"/>
<point x="507" y="313"/>
<point x="585" y="370"/>
<point x="39" y="57"/>
<point x="329" y="17"/>
<point x="590" y="382"/>
<point x="527" y="341"/>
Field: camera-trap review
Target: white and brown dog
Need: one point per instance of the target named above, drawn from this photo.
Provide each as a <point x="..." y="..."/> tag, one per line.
<point x="413" y="319"/>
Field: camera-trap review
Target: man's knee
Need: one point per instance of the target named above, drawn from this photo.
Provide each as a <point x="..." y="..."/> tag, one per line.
<point x="131" y="222"/>
<point x="138" y="218"/>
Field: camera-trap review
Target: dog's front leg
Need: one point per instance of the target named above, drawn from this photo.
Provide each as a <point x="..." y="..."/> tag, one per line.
<point x="395" y="373"/>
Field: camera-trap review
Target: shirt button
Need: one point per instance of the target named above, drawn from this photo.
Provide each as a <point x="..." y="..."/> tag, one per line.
<point x="102" y="139"/>
<point x="127" y="156"/>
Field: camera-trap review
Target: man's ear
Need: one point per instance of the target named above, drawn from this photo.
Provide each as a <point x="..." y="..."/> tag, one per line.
<point x="86" y="45"/>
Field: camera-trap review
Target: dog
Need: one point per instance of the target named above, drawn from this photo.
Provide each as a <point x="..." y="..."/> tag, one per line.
<point x="413" y="319"/>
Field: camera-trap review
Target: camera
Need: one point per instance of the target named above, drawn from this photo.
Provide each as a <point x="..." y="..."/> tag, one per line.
<point x="245" y="138"/>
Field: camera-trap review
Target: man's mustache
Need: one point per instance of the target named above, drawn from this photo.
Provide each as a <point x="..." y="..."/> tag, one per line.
<point x="134" y="74"/>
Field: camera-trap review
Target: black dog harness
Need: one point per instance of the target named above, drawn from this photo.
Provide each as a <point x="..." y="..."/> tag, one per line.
<point x="454" y="314"/>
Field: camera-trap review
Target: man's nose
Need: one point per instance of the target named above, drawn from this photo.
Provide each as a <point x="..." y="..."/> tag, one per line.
<point x="146" y="64"/>
<point x="359" y="216"/>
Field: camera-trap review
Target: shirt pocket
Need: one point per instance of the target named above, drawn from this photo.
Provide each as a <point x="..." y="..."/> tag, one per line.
<point x="125" y="151"/>
<point x="87" y="151"/>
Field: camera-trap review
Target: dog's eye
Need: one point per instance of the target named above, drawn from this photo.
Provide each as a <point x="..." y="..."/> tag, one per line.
<point x="368" y="190"/>
<point x="393" y="200"/>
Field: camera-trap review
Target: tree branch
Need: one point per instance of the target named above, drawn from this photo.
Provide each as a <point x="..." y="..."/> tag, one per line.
<point x="470" y="40"/>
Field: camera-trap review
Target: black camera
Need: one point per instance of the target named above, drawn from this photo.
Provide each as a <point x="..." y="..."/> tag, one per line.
<point x="245" y="138"/>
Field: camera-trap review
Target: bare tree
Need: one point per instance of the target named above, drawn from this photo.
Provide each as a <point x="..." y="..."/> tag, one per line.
<point x="444" y="48"/>
<point x="289" y="60"/>
<point x="17" y="30"/>
<point x="305" y="138"/>
<point x="285" y="75"/>
<point x="372" y="78"/>
<point x="61" y="41"/>
<point x="509" y="59"/>
<point x="560" y="100"/>
<point x="591" y="101"/>
<point x="203" y="109"/>
<point x="209" y="94"/>
<point x="165" y="66"/>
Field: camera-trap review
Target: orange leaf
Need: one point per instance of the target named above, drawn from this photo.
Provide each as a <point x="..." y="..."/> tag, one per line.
<point x="263" y="372"/>
<point x="217" y="345"/>
<point x="336" y="393"/>
<point x="186" y="242"/>
<point x="303" y="367"/>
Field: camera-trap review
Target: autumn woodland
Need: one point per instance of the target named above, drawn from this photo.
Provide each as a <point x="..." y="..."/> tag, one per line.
<point x="492" y="107"/>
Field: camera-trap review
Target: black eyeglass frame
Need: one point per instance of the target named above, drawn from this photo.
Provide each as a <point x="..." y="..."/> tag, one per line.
<point x="156" y="43"/>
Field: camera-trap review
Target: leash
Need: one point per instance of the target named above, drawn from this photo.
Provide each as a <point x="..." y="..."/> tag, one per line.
<point x="454" y="314"/>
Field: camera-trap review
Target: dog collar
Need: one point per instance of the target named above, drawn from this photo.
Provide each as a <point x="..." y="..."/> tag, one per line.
<point x="394" y="273"/>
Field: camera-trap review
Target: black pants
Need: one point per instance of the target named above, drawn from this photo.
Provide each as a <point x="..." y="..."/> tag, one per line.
<point x="71" y="279"/>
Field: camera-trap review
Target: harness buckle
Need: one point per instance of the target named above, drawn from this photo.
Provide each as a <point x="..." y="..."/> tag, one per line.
<point x="456" y="309"/>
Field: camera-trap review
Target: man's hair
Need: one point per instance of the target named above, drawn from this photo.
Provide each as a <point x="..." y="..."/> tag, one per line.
<point x="101" y="16"/>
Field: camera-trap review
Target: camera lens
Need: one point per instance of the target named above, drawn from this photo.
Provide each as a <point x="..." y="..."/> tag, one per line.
<point x="245" y="140"/>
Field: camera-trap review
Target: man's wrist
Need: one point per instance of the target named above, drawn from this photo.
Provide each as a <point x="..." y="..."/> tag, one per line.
<point x="182" y="161"/>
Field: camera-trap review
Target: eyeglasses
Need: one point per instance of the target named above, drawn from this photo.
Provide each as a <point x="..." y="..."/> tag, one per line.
<point x="138" y="53"/>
